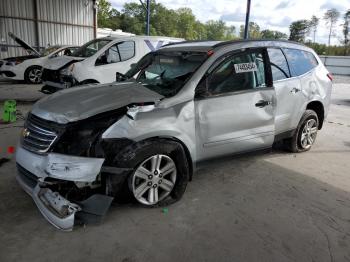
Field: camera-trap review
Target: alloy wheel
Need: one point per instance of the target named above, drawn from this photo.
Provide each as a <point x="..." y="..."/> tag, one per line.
<point x="308" y="134"/>
<point x="154" y="179"/>
<point x="35" y="75"/>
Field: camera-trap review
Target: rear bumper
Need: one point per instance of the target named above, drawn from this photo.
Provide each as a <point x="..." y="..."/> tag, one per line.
<point x="56" y="209"/>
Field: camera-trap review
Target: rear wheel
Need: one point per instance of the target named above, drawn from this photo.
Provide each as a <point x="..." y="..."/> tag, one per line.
<point x="306" y="133"/>
<point x="33" y="75"/>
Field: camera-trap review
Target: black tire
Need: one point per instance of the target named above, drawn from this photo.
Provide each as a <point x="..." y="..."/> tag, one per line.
<point x="294" y="143"/>
<point x="134" y="155"/>
<point x="32" y="75"/>
<point x="88" y="81"/>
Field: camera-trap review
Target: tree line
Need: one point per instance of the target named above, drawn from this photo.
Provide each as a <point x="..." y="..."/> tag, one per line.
<point x="183" y="23"/>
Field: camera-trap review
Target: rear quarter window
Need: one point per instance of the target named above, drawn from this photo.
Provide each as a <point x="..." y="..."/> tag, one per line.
<point x="278" y="62"/>
<point x="300" y="62"/>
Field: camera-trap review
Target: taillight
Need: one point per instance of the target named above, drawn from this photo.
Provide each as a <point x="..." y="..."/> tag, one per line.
<point x="329" y="75"/>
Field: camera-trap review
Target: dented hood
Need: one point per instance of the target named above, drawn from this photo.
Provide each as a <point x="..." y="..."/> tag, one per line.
<point x="82" y="102"/>
<point x="56" y="63"/>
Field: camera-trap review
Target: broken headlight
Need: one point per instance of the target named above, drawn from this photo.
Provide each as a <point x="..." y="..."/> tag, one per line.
<point x="67" y="71"/>
<point x="82" y="137"/>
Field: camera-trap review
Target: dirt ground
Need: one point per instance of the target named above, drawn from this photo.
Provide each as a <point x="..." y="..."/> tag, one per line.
<point x="273" y="206"/>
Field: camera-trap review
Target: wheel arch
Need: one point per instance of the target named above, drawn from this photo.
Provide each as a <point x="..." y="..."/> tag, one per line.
<point x="318" y="107"/>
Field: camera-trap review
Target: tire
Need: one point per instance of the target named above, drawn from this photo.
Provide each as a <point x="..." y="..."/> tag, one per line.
<point x="87" y="82"/>
<point x="33" y="75"/>
<point x="305" y="136"/>
<point x="169" y="185"/>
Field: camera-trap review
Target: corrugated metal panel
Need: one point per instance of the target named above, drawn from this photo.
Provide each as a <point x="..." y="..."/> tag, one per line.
<point x="60" y="22"/>
<point x="57" y="34"/>
<point x="78" y="12"/>
<point x="17" y="8"/>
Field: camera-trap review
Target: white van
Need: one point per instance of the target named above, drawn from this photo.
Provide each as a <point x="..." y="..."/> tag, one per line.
<point x="99" y="60"/>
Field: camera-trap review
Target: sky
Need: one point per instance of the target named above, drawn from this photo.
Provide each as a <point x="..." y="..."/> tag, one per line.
<point x="269" y="14"/>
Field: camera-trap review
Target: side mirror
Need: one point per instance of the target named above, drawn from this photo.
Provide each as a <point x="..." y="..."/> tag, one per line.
<point x="133" y="65"/>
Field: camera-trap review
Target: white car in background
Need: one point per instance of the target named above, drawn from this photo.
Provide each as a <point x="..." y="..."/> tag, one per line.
<point x="99" y="60"/>
<point x="29" y="68"/>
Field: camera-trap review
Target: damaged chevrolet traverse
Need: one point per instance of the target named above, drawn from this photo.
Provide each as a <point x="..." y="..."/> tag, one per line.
<point x="143" y="135"/>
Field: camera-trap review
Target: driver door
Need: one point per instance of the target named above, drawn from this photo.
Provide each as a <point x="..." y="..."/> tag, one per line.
<point x="235" y="106"/>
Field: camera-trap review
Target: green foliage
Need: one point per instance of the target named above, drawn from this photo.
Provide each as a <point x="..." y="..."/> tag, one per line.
<point x="298" y="30"/>
<point x="272" y="34"/>
<point x="168" y="22"/>
<point x="331" y="17"/>
<point x="183" y="23"/>
<point x="346" y="29"/>
<point x="253" y="32"/>
<point x="323" y="49"/>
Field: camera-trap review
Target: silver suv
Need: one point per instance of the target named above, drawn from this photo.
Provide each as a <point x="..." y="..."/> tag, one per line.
<point x="143" y="135"/>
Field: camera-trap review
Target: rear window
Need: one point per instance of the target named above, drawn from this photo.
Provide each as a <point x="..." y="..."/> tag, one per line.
<point x="300" y="62"/>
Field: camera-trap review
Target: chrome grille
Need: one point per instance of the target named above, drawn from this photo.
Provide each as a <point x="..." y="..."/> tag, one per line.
<point x="38" y="135"/>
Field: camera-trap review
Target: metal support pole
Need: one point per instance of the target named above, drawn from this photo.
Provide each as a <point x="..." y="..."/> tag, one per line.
<point x="36" y="25"/>
<point x="148" y="7"/>
<point x="246" y="28"/>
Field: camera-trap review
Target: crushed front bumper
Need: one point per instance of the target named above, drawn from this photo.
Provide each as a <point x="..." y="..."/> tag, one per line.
<point x="33" y="169"/>
<point x="55" y="208"/>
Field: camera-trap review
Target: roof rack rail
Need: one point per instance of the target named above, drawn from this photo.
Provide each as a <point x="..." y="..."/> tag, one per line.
<point x="254" y="40"/>
<point x="187" y="41"/>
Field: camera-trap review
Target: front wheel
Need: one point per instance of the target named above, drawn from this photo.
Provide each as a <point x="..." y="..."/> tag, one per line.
<point x="305" y="134"/>
<point x="33" y="75"/>
<point x="154" y="179"/>
<point x="160" y="171"/>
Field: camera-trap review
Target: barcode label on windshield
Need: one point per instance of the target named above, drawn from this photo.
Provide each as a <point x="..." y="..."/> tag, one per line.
<point x="245" y="67"/>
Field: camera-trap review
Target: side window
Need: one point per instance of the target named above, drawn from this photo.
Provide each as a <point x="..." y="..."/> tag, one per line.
<point x="242" y="71"/>
<point x="278" y="62"/>
<point x="117" y="53"/>
<point x="127" y="50"/>
<point x="300" y="62"/>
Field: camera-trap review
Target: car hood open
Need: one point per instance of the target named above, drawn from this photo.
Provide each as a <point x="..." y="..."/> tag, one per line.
<point x="30" y="50"/>
<point x="78" y="103"/>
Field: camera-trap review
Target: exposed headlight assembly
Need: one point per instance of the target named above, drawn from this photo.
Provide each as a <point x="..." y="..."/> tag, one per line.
<point x="67" y="70"/>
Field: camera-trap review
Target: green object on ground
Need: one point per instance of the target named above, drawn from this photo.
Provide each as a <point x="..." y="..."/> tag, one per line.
<point x="165" y="210"/>
<point x="9" y="113"/>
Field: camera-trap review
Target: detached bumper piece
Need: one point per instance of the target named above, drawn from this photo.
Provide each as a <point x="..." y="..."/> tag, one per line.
<point x="57" y="210"/>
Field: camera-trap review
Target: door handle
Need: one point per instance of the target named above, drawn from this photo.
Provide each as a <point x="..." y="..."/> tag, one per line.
<point x="263" y="103"/>
<point x="295" y="90"/>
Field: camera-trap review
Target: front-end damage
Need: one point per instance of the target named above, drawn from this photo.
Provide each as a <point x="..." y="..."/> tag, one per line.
<point x="65" y="164"/>
<point x="60" y="189"/>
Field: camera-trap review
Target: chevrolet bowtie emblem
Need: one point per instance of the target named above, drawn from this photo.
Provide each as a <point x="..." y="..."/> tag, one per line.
<point x="25" y="132"/>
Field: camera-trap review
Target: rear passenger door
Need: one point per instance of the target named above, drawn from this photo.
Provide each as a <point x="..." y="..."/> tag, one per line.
<point x="301" y="64"/>
<point x="288" y="91"/>
<point x="235" y="106"/>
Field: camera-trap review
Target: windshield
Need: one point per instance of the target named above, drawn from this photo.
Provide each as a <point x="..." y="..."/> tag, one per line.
<point x="49" y="50"/>
<point x="167" y="72"/>
<point x="90" y="48"/>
